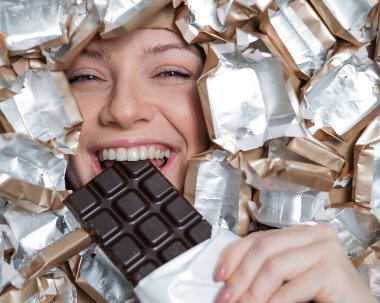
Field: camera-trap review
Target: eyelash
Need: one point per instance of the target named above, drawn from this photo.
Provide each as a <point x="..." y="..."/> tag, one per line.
<point x="175" y="73"/>
<point x="170" y="73"/>
<point x="83" y="77"/>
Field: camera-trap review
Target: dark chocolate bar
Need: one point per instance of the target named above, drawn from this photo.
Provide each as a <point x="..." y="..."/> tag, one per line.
<point x="137" y="217"/>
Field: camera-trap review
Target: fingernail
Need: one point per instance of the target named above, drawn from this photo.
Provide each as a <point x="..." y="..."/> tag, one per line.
<point x="224" y="295"/>
<point x="220" y="272"/>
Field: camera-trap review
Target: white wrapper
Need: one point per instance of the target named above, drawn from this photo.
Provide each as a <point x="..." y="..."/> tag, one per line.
<point x="217" y="191"/>
<point x="248" y="101"/>
<point x="39" y="111"/>
<point x="28" y="24"/>
<point x="328" y="103"/>
<point x="187" y="278"/>
<point x="37" y="232"/>
<point x="25" y="159"/>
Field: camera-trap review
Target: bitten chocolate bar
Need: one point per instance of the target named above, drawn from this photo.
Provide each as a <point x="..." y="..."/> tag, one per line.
<point x="137" y="217"/>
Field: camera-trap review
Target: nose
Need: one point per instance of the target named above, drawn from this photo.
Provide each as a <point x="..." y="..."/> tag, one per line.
<point x="127" y="105"/>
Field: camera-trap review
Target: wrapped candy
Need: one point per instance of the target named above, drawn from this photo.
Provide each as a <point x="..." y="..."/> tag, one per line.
<point x="290" y="95"/>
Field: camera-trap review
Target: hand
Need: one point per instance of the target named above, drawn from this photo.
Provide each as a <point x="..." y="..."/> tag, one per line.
<point x="297" y="264"/>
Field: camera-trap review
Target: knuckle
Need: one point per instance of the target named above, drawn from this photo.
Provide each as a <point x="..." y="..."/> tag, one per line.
<point x="262" y="246"/>
<point x="327" y="230"/>
<point x="272" y="267"/>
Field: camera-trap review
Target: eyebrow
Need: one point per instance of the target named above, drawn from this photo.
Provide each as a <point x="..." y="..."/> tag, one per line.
<point x="98" y="54"/>
<point x="162" y="48"/>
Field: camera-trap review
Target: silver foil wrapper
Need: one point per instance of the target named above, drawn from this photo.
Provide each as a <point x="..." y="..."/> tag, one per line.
<point x="98" y="272"/>
<point x="351" y="15"/>
<point x="28" y="24"/>
<point x="202" y="18"/>
<point x="356" y="231"/>
<point x="37" y="231"/>
<point x="25" y="159"/>
<point x="328" y="103"/>
<point x="257" y="109"/>
<point x="126" y="15"/>
<point x="375" y="190"/>
<point x="306" y="49"/>
<point x="217" y="191"/>
<point x="8" y="274"/>
<point x="370" y="271"/>
<point x="39" y="110"/>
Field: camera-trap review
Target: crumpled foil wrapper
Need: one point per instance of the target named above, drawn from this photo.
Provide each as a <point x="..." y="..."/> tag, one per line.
<point x="36" y="232"/>
<point x="102" y="280"/>
<point x="348" y="19"/>
<point x="200" y="21"/>
<point x="28" y="24"/>
<point x="367" y="168"/>
<point x="250" y="93"/>
<point x="247" y="101"/>
<point x="47" y="114"/>
<point x="298" y="33"/>
<point x="9" y="83"/>
<point x="217" y="189"/>
<point x="122" y="16"/>
<point x="327" y="101"/>
<point x="83" y="28"/>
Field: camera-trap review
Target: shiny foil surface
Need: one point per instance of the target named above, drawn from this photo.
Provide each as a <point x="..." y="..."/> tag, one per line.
<point x="217" y="191"/>
<point x="328" y="103"/>
<point x="290" y="94"/>
<point x="42" y="22"/>
<point x="38" y="110"/>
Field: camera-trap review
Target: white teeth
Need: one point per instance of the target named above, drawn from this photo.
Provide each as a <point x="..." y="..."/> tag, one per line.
<point x="143" y="153"/>
<point x="111" y="154"/>
<point x="151" y="153"/>
<point x="133" y="153"/>
<point x="121" y="154"/>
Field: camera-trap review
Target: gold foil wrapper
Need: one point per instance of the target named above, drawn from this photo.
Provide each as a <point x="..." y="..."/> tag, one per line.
<point x="246" y="101"/>
<point x="4" y="60"/>
<point x="367" y="168"/>
<point x="52" y="114"/>
<point x="327" y="102"/>
<point x="10" y="85"/>
<point x="299" y="35"/>
<point x="43" y="23"/>
<point x="348" y="19"/>
<point x="368" y="264"/>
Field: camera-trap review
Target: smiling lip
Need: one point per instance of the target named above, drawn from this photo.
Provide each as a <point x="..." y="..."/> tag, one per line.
<point x="161" y="155"/>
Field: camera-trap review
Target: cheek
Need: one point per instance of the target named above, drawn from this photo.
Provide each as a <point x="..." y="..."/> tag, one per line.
<point x="189" y="121"/>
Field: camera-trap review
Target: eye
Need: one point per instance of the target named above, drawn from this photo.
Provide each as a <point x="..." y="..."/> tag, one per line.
<point x="179" y="73"/>
<point x="83" y="78"/>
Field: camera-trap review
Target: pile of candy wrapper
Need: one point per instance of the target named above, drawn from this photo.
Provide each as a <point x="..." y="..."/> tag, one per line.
<point x="290" y="92"/>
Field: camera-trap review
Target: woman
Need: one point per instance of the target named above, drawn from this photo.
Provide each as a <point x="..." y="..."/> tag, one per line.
<point x="139" y="99"/>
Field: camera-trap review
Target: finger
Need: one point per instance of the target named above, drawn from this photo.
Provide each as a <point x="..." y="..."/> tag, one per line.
<point x="284" y="267"/>
<point x="239" y="276"/>
<point x="230" y="258"/>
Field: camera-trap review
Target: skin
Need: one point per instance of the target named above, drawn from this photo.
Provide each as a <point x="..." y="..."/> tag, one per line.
<point x="297" y="264"/>
<point x="140" y="89"/>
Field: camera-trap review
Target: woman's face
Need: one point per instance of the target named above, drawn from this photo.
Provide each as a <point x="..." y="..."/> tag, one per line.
<point x="139" y="100"/>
